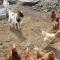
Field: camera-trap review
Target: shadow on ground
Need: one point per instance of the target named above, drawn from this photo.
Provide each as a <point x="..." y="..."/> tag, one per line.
<point x="29" y="4"/>
<point x="19" y="34"/>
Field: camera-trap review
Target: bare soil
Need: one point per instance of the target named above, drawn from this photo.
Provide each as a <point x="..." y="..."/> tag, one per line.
<point x="29" y="35"/>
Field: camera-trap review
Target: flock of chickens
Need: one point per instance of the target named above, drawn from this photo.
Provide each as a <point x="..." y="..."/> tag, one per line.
<point x="14" y="55"/>
<point x="55" y="20"/>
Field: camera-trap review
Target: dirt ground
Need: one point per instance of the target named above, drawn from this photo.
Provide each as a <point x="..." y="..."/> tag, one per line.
<point x="29" y="35"/>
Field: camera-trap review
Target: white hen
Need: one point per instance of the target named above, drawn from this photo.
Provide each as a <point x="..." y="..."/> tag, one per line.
<point x="47" y="35"/>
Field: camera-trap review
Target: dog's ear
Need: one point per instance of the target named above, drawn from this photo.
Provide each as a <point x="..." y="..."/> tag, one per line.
<point x="20" y="13"/>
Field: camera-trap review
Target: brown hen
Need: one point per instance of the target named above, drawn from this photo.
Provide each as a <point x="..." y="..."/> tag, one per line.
<point x="14" y="54"/>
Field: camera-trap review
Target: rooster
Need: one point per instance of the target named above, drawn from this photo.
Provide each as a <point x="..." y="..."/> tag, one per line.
<point x="49" y="56"/>
<point x="14" y="54"/>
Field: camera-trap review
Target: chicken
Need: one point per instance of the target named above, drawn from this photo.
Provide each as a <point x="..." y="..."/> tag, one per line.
<point x="56" y="24"/>
<point x="49" y="56"/>
<point x="53" y="15"/>
<point x="47" y="35"/>
<point x="28" y="56"/>
<point x="14" y="54"/>
<point x="40" y="54"/>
